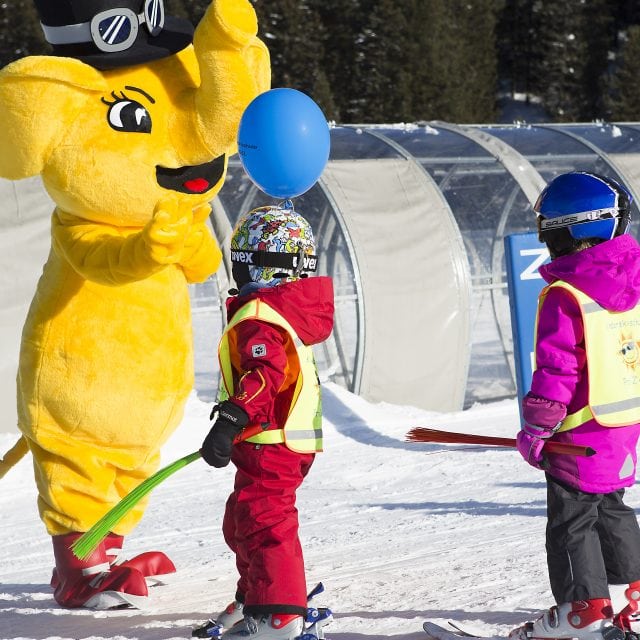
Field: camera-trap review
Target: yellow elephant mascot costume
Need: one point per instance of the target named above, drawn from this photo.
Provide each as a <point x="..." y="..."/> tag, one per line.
<point x="129" y="123"/>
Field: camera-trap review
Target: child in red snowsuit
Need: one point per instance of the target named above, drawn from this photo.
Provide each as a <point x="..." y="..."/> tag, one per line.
<point x="269" y="421"/>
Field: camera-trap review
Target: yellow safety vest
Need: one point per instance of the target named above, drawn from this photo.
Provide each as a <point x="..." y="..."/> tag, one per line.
<point x="302" y="430"/>
<point x="612" y="344"/>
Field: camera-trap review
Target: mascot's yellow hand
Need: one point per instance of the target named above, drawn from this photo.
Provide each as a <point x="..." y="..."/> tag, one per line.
<point x="166" y="232"/>
<point x="201" y="212"/>
<point x="194" y="240"/>
<point x="201" y="255"/>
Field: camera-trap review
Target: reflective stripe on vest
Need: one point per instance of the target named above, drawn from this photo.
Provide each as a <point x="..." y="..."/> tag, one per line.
<point x="612" y="344"/>
<point x="302" y="430"/>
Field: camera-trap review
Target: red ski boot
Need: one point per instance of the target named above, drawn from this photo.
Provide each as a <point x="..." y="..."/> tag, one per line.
<point x="155" y="566"/>
<point x="629" y="615"/>
<point x="91" y="583"/>
<point x="580" y="620"/>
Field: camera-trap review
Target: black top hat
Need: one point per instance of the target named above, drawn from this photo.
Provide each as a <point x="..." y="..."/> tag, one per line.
<point x="112" y="33"/>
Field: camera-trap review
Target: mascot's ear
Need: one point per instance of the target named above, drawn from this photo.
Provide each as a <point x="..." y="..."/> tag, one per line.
<point x="39" y="98"/>
<point x="256" y="56"/>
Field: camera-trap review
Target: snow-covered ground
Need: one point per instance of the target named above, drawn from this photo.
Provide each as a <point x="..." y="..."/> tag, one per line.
<point x="398" y="532"/>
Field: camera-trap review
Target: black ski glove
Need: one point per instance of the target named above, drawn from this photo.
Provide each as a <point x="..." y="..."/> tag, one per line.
<point x="216" y="448"/>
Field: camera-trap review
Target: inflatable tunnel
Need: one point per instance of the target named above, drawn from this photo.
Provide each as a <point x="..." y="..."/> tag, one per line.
<point x="410" y="221"/>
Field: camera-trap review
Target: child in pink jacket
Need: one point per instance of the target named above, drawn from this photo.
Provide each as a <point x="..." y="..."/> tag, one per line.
<point x="585" y="390"/>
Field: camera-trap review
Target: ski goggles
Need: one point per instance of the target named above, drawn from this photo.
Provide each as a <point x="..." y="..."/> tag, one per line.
<point x="545" y="224"/>
<point x="111" y="30"/>
<point x="296" y="262"/>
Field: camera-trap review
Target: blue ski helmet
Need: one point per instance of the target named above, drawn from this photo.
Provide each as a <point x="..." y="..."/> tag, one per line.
<point x="579" y="206"/>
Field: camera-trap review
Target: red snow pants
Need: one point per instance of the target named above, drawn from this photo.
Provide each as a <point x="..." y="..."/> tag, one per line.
<point x="261" y="527"/>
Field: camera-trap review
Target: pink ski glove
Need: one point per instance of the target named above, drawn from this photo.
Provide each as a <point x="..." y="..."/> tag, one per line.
<point x="530" y="439"/>
<point x="530" y="442"/>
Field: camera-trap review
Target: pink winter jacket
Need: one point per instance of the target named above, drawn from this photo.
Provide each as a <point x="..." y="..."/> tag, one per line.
<point x="609" y="273"/>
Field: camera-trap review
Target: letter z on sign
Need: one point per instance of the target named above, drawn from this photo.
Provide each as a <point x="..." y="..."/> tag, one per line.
<point x="531" y="272"/>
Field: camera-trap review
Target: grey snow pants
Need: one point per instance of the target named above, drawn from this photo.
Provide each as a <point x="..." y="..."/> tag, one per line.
<point x="592" y="540"/>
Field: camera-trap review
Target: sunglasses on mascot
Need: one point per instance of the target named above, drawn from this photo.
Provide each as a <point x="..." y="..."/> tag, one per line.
<point x="111" y="30"/>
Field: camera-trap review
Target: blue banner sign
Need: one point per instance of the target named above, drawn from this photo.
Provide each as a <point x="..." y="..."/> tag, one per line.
<point x="524" y="254"/>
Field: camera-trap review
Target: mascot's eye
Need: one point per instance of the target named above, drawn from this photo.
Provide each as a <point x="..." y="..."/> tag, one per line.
<point x="127" y="115"/>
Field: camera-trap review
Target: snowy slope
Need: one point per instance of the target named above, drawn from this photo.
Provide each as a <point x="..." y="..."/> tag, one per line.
<point x="398" y="532"/>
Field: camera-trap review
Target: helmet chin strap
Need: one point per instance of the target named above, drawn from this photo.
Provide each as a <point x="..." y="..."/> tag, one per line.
<point x="622" y="226"/>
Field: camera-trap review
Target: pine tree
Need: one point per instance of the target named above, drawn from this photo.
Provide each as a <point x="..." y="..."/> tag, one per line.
<point x="294" y="34"/>
<point x="429" y="57"/>
<point x="625" y="12"/>
<point x="191" y="9"/>
<point x="516" y="46"/>
<point x="381" y="77"/>
<point x="340" y="23"/>
<point x="625" y="101"/>
<point x="454" y="68"/>
<point x="477" y="76"/>
<point x="600" y="36"/>
<point x="390" y="61"/>
<point x="20" y="31"/>
<point x="572" y="39"/>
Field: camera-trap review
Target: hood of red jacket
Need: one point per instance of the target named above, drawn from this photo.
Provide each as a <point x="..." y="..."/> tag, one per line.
<point x="609" y="273"/>
<point x="307" y="304"/>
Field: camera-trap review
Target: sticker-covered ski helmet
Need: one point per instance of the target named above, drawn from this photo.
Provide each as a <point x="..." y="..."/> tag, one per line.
<point x="270" y="244"/>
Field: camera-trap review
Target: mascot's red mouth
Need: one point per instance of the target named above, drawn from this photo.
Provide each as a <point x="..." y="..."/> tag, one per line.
<point x="192" y="179"/>
<point x="199" y="185"/>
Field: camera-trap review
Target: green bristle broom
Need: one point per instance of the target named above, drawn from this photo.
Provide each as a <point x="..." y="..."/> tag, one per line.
<point x="84" y="546"/>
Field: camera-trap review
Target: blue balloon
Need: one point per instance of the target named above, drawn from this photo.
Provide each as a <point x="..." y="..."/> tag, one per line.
<point x="283" y="142"/>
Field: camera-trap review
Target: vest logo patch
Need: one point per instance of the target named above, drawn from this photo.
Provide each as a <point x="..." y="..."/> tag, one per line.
<point x="259" y="350"/>
<point x="629" y="350"/>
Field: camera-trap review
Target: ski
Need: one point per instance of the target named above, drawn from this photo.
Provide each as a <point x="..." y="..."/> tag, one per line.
<point x="464" y="632"/>
<point x="456" y="632"/>
<point x="438" y="632"/>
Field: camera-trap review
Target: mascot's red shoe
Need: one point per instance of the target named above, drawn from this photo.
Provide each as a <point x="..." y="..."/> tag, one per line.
<point x="155" y="566"/>
<point x="92" y="583"/>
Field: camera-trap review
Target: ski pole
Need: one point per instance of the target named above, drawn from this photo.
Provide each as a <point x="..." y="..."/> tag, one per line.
<point x="422" y="434"/>
<point x="84" y="546"/>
